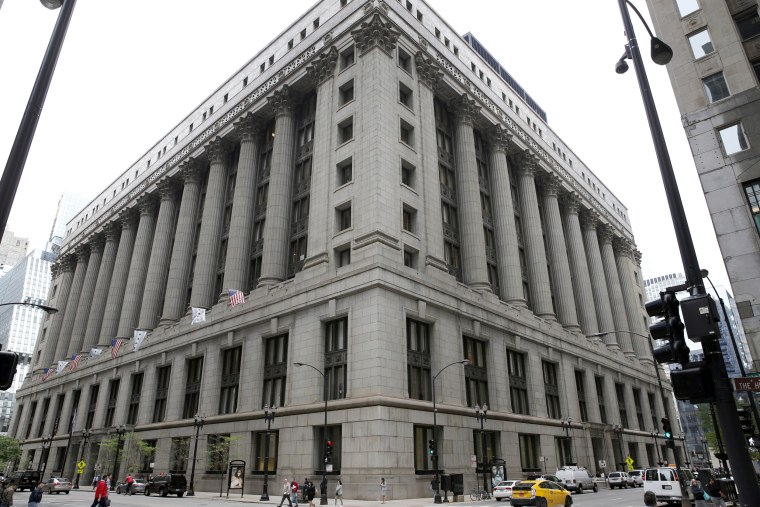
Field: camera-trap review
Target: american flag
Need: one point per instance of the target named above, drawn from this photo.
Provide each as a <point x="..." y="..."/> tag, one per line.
<point x="74" y="361"/>
<point x="116" y="344"/>
<point x="236" y="297"/>
<point x="45" y="374"/>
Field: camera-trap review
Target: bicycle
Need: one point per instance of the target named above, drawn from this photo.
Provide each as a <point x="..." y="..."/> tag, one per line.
<point x="479" y="494"/>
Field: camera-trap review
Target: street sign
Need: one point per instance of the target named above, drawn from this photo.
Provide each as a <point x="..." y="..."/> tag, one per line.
<point x="80" y="466"/>
<point x="602" y="463"/>
<point x="747" y="383"/>
<point x="753" y="374"/>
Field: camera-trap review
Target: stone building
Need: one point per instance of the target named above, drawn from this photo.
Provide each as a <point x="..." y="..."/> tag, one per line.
<point x="391" y="202"/>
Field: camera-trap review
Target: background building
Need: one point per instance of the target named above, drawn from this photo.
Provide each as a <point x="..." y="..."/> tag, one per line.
<point x="68" y="205"/>
<point x="12" y="250"/>
<point x="714" y="73"/>
<point x="390" y="201"/>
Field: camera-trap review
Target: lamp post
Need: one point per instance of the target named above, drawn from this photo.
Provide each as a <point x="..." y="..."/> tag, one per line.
<point x="269" y="413"/>
<point x="197" y="424"/>
<point x="323" y="490"/>
<point x="567" y="426"/>
<point x="437" y="497"/>
<point x="20" y="149"/>
<point x="619" y="430"/>
<point x="85" y="440"/>
<point x="721" y="453"/>
<point x="657" y="448"/>
<point x="120" y="431"/>
<point x="707" y="451"/>
<point x="47" y="441"/>
<point x="480" y="414"/>
<point x="744" y="472"/>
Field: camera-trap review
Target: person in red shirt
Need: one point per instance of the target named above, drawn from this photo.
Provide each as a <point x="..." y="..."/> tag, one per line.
<point x="129" y="480"/>
<point x="101" y="493"/>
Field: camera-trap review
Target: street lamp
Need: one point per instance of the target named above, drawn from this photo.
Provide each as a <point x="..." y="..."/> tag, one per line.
<point x="480" y="414"/>
<point x="323" y="485"/>
<point x="619" y="430"/>
<point x="197" y="424"/>
<point x="567" y="426"/>
<point x="47" y="441"/>
<point x="48" y="309"/>
<point x="120" y="431"/>
<point x="20" y="149"/>
<point x="744" y="472"/>
<point x="437" y="497"/>
<point x="86" y="434"/>
<point x="269" y="413"/>
<point x="657" y="447"/>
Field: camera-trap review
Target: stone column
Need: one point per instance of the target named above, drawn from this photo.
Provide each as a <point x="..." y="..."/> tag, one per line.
<point x="138" y="267"/>
<point x="145" y="410"/>
<point x="623" y="258"/>
<point x="88" y="292"/>
<point x="510" y="272"/>
<point x="598" y="282"/>
<point x="429" y="75"/>
<point x="274" y="266"/>
<point x="613" y="289"/>
<point x="206" y="259"/>
<point x="241" y="222"/>
<point x="584" y="295"/>
<point x="158" y="267"/>
<point x="533" y="237"/>
<point x="182" y="251"/>
<point x="119" y="278"/>
<point x="100" y="293"/>
<point x="64" y="274"/>
<point x="644" y="347"/>
<point x="69" y="316"/>
<point x="471" y="236"/>
<point x="558" y="261"/>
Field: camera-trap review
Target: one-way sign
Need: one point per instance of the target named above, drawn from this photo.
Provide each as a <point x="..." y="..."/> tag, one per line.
<point x="747" y="383"/>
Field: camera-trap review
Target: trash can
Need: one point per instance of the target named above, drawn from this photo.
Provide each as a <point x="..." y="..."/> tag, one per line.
<point x="457" y="484"/>
<point x="446" y="482"/>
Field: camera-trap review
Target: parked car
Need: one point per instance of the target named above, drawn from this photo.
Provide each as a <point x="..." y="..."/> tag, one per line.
<point x="664" y="483"/>
<point x="540" y="493"/>
<point x="25" y="479"/>
<point x="618" y="480"/>
<point x="576" y="479"/>
<point x="166" y="484"/>
<point x="137" y="487"/>
<point x="638" y="477"/>
<point x="503" y="490"/>
<point x="56" y="485"/>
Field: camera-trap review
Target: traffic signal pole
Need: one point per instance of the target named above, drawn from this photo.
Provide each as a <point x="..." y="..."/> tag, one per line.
<point x="742" y="468"/>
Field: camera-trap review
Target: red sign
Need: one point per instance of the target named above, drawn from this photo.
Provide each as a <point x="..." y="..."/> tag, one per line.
<point x="747" y="384"/>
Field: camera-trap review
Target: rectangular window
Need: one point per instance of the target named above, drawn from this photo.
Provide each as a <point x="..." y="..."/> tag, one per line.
<point x="147" y="456"/>
<point x="336" y="358"/>
<point x="265" y="446"/>
<point x="92" y="404"/>
<point x="733" y="139"/>
<point x="409" y="218"/>
<point x="347" y="58"/>
<point x="406" y="133"/>
<point x="404" y="60"/>
<point x="551" y="387"/>
<point x="489" y="439"/>
<point x="518" y="382"/>
<point x="343" y="255"/>
<point x="715" y="87"/>
<point x="228" y="397"/>
<point x="639" y="410"/>
<point x="345" y="172"/>
<point x="345" y="130"/>
<point x="275" y="370"/>
<point x="163" y="375"/>
<point x="686" y="7"/>
<point x="407" y="174"/>
<point x="701" y="44"/>
<point x="405" y="95"/>
<point x="217" y="453"/>
<point x="113" y="399"/>
<point x="343" y="217"/>
<point x="193" y="380"/>
<point x="652" y="410"/>
<point x="529" y="452"/>
<point x="423" y="461"/>
<point x="475" y="372"/>
<point x="620" y="394"/>
<point x="748" y="24"/>
<point x="599" y="383"/>
<point x="580" y="388"/>
<point x="346" y="93"/>
<point x="418" y="359"/>
<point x="178" y="454"/>
<point x="74" y="406"/>
<point x="410" y="257"/>
<point x="134" y="398"/>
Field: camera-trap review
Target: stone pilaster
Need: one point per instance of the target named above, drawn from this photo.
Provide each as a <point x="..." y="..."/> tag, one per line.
<point x="69" y="316"/>
<point x="510" y="272"/>
<point x="100" y="293"/>
<point x="624" y="261"/>
<point x="96" y="245"/>
<point x="277" y="227"/>
<point x="471" y="236"/>
<point x="119" y="277"/>
<point x="558" y="262"/>
<point x="598" y="281"/>
<point x="584" y="295"/>
<point x="179" y="265"/>
<point x="64" y="275"/>
<point x="613" y="289"/>
<point x="158" y="266"/>
<point x="538" y="272"/>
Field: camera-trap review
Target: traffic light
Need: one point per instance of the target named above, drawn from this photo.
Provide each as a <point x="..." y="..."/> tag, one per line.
<point x="431" y="447"/>
<point x="745" y="421"/>
<point x="329" y="449"/>
<point x="666" y="430"/>
<point x="670" y="328"/>
<point x="693" y="382"/>
<point x="8" y="363"/>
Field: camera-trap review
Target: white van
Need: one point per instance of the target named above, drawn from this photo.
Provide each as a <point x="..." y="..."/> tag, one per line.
<point x="576" y="479"/>
<point x="664" y="483"/>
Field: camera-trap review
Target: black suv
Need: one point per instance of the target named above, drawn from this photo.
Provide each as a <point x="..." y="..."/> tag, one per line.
<point x="166" y="484"/>
<point x="25" y="479"/>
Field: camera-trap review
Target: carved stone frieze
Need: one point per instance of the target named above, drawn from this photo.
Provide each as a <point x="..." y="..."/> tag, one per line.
<point x="376" y="33"/>
<point x="324" y="67"/>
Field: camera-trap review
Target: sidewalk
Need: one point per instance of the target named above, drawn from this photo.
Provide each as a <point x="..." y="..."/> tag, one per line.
<point x="274" y="500"/>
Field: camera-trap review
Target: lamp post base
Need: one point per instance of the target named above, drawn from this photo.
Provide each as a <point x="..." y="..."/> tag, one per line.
<point x="437" y="497"/>
<point x="323" y="499"/>
<point x="190" y="492"/>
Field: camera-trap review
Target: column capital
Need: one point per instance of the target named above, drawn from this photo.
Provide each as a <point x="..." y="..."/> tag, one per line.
<point x="248" y="128"/>
<point x="376" y="33"/>
<point x="97" y="242"/>
<point x="571" y="202"/>
<point x="465" y="109"/>
<point x="551" y="184"/>
<point x="527" y="163"/>
<point x="637" y="257"/>
<point x="167" y="188"/>
<point x="589" y="219"/>
<point x="66" y="263"/>
<point x="111" y="231"/>
<point x="190" y="171"/>
<point x="324" y="67"/>
<point x="218" y="149"/>
<point x="499" y="138"/>
<point x="147" y="204"/>
<point x="128" y="218"/>
<point x="605" y="233"/>
<point x="622" y="247"/>
<point x="82" y="251"/>
<point x="428" y="71"/>
<point x="282" y="101"/>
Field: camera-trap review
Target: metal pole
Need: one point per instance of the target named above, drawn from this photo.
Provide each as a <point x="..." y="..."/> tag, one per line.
<point x="198" y="423"/>
<point x="707" y="452"/>
<point x="480" y="413"/>
<point x="437" y="497"/>
<point x="20" y="150"/>
<point x="657" y="447"/>
<point x="47" y="442"/>
<point x="85" y="440"/>
<point x="269" y="416"/>
<point x="323" y="486"/>
<point x="120" y="432"/>
<point x="718" y="438"/>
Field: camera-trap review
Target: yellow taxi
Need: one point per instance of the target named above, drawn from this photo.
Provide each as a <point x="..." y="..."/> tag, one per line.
<point x="540" y="493"/>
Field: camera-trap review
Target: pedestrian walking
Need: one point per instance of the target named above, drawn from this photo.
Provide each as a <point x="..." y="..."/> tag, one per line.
<point x="716" y="495"/>
<point x="95" y="481"/>
<point x="339" y="492"/>
<point x="650" y="499"/>
<point x="305" y="490"/>
<point x="35" y="497"/>
<point x="383" y="489"/>
<point x="130" y="481"/>
<point x="286" y="492"/>
<point x="699" y="493"/>
<point x="101" y="494"/>
<point x="310" y="492"/>
<point x="294" y="492"/>
<point x="7" y="497"/>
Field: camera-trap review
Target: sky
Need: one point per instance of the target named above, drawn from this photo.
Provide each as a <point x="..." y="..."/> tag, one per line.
<point x="130" y="71"/>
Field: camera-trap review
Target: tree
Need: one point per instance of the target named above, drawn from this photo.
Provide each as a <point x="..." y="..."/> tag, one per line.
<point x="10" y="449"/>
